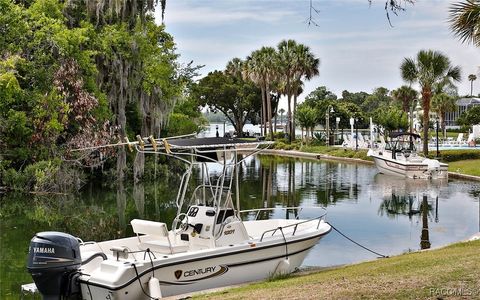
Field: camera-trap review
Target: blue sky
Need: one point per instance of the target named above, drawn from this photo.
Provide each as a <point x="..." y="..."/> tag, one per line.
<point x="357" y="48"/>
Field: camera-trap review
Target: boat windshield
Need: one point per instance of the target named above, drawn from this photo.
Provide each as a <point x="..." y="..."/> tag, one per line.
<point x="403" y="142"/>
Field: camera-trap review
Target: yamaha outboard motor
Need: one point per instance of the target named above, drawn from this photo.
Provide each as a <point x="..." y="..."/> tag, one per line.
<point x="53" y="258"/>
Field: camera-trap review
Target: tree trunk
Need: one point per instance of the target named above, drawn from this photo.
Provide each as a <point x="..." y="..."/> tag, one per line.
<point x="269" y="111"/>
<point x="294" y="113"/>
<point x="405" y="105"/>
<point x="264" y="114"/>
<point x="239" y="127"/>
<point x="426" y="95"/>
<point x="275" y="124"/>
<point x="289" y="117"/>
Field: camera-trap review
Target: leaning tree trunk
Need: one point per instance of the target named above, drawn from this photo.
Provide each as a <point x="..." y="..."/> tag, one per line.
<point x="426" y="95"/>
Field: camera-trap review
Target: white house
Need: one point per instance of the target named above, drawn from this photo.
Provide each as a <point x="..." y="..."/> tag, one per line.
<point x="463" y="104"/>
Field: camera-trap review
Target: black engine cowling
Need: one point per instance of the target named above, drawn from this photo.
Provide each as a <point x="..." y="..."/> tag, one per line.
<point x="53" y="257"/>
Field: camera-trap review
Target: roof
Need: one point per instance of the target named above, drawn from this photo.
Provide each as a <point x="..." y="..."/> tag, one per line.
<point x="397" y="134"/>
<point x="468" y="101"/>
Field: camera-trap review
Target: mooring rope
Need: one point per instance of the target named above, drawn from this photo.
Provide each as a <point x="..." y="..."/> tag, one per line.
<point x="370" y="250"/>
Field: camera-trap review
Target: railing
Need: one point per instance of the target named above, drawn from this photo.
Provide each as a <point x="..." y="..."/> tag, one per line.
<point x="295" y="226"/>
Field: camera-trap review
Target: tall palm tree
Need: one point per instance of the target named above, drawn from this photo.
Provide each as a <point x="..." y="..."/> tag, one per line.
<point x="465" y="21"/>
<point x="471" y="78"/>
<point x="306" y="67"/>
<point x="296" y="63"/>
<point x="251" y="71"/>
<point x="260" y="68"/>
<point x="428" y="68"/>
<point x="441" y="104"/>
<point x="286" y="64"/>
<point x="406" y="95"/>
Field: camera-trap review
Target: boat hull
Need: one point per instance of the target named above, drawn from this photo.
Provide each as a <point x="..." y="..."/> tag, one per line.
<point x="212" y="269"/>
<point x="409" y="170"/>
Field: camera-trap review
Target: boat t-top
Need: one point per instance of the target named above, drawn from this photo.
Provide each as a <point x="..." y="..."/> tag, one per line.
<point x="211" y="242"/>
<point x="399" y="157"/>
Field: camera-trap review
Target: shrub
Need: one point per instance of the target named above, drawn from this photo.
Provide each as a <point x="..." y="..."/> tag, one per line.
<point x="455" y="155"/>
<point x="44" y="176"/>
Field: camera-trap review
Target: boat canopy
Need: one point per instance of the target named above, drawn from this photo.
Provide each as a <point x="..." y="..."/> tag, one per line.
<point x="212" y="142"/>
<point x="394" y="135"/>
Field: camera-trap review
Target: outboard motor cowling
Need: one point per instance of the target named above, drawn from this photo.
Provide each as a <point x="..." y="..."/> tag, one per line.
<point x="52" y="258"/>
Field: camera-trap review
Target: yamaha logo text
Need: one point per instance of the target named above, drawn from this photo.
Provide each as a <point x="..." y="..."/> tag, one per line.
<point x="45" y="250"/>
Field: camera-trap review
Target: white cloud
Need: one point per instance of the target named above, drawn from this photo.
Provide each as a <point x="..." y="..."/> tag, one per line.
<point x="357" y="47"/>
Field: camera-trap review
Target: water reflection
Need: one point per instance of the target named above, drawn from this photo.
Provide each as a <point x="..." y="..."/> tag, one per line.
<point x="390" y="215"/>
<point x="411" y="198"/>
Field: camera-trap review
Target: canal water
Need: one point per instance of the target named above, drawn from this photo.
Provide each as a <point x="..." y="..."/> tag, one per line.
<point x="387" y="214"/>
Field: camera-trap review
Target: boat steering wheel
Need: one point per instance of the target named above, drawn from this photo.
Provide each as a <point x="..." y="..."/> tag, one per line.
<point x="180" y="221"/>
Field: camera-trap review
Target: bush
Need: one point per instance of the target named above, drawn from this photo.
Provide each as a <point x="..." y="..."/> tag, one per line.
<point x="455" y="155"/>
<point x="43" y="176"/>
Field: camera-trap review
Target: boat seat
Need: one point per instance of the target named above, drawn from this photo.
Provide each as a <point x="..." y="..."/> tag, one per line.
<point x="156" y="237"/>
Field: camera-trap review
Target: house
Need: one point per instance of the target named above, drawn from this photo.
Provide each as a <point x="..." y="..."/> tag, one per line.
<point x="463" y="104"/>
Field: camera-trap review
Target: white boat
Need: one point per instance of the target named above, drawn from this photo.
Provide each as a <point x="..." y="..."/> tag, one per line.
<point x="211" y="242"/>
<point x="399" y="157"/>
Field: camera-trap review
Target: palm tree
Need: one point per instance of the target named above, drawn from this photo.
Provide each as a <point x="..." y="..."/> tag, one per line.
<point x="465" y="21"/>
<point x="235" y="67"/>
<point x="296" y="62"/>
<point x="287" y="68"/>
<point x="406" y="95"/>
<point x="428" y="69"/>
<point x="306" y="118"/>
<point x="281" y="111"/>
<point x="441" y="104"/>
<point x="260" y="68"/>
<point x="306" y="67"/>
<point x="471" y="78"/>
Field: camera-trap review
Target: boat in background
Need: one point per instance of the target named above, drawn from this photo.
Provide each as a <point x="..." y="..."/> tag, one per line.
<point x="399" y="157"/>
<point x="211" y="243"/>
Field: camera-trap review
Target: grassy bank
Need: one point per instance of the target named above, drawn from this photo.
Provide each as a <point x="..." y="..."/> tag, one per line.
<point x="469" y="167"/>
<point x="435" y="274"/>
<point x="332" y="151"/>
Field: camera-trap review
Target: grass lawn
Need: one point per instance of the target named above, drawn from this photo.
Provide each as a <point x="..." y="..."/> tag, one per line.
<point x="336" y="151"/>
<point x="469" y="167"/>
<point x="435" y="274"/>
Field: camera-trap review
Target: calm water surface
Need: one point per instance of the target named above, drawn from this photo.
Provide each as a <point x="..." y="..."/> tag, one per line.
<point x="387" y="214"/>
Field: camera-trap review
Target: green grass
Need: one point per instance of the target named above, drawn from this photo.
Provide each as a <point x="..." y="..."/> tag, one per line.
<point x="469" y="167"/>
<point x="332" y="151"/>
<point x="419" y="275"/>
<point x="336" y="151"/>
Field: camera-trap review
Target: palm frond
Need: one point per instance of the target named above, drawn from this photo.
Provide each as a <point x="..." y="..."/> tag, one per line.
<point x="465" y="21"/>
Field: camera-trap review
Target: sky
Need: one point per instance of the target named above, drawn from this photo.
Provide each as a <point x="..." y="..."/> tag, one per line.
<point x="358" y="49"/>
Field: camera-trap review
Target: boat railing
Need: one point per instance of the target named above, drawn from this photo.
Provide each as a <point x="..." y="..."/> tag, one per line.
<point x="317" y="219"/>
